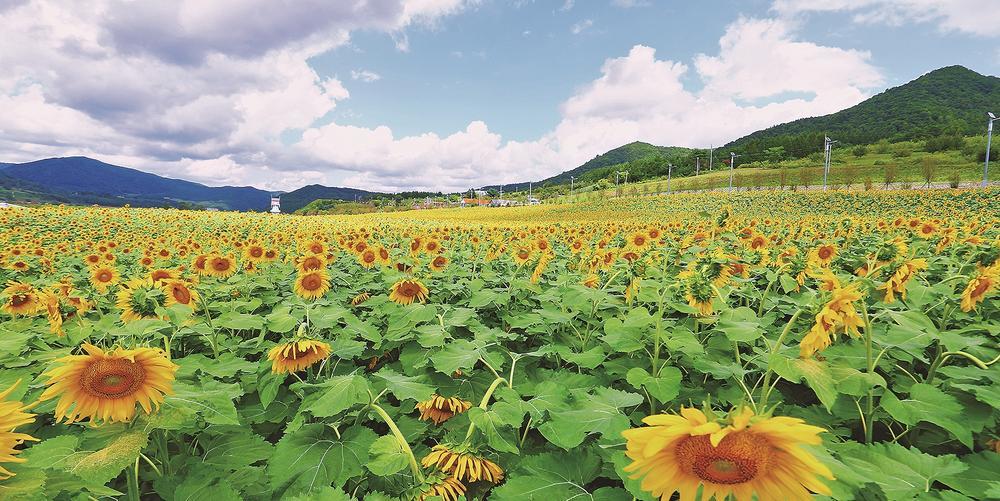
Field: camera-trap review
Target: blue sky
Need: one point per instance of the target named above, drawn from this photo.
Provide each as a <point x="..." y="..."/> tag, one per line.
<point x="445" y="94"/>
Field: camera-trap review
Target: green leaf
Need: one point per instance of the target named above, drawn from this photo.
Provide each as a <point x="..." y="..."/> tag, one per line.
<point x="404" y="387"/>
<point x="234" y="447"/>
<point x="550" y="476"/>
<point x="460" y="354"/>
<point x="499" y="432"/>
<point x="818" y="377"/>
<point x="53" y="452"/>
<point x="899" y="472"/>
<point x="740" y="325"/>
<point x="630" y="334"/>
<point x="596" y="413"/>
<point x="978" y="478"/>
<point x="268" y="386"/>
<point x="26" y="485"/>
<point x="929" y="404"/>
<point x="205" y="484"/>
<point x="212" y="400"/>
<point x="104" y="464"/>
<point x="663" y="388"/>
<point x="240" y="321"/>
<point x="339" y="393"/>
<point x="387" y="457"/>
<point x="314" y="457"/>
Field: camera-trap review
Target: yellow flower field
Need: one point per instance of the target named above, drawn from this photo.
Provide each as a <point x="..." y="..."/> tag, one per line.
<point x="761" y="345"/>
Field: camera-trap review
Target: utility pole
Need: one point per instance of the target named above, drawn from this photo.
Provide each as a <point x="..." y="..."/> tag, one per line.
<point x="732" y="167"/>
<point x="529" y="192"/>
<point x="827" y="158"/>
<point x="697" y="165"/>
<point x="989" y="140"/>
<point x="670" y="171"/>
<point x="571" y="179"/>
<point x="711" y="149"/>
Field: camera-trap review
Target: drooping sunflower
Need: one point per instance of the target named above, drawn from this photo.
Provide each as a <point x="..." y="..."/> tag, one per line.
<point x="465" y="465"/>
<point x="312" y="284"/>
<point x="839" y="314"/>
<point x="896" y="284"/>
<point x="139" y="299"/>
<point x="438" y="484"/>
<point x="21" y="299"/>
<point x="979" y="287"/>
<point x="360" y="298"/>
<point x="439" y="263"/>
<point x="440" y="409"/>
<point x="591" y="280"/>
<point x="103" y="277"/>
<point x="741" y="455"/>
<point x="106" y="385"/>
<point x="12" y="415"/>
<point x="296" y="355"/>
<point x="407" y="291"/>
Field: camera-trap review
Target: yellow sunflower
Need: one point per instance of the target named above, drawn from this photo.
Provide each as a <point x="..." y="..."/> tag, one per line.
<point x="103" y="277"/>
<point x="22" y="299"/>
<point x="407" y="291"/>
<point x="180" y="292"/>
<point x="220" y="266"/>
<point x="296" y="355"/>
<point x="440" y="409"/>
<point x="12" y="415"/>
<point x="105" y="386"/>
<point x="312" y="284"/>
<point x="439" y="485"/>
<point x="439" y="263"/>
<point x="463" y="465"/>
<point x="740" y="456"/>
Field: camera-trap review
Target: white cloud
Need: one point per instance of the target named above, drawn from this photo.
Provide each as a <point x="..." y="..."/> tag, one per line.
<point x="365" y="76"/>
<point x="194" y="99"/>
<point x="976" y="17"/>
<point x="581" y="26"/>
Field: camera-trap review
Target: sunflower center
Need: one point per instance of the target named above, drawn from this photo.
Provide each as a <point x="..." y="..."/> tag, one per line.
<point x="181" y="294"/>
<point x="984" y="283"/>
<point x="220" y="264"/>
<point x="104" y="276"/>
<point x="738" y="458"/>
<point x="311" y="282"/>
<point x="19" y="299"/>
<point x="256" y="251"/>
<point x="824" y="253"/>
<point x="112" y="378"/>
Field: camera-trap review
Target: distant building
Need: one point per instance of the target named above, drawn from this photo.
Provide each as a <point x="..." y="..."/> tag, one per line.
<point x="474" y="202"/>
<point x="499" y="202"/>
<point x="5" y="205"/>
<point x="276" y="203"/>
<point x="534" y="201"/>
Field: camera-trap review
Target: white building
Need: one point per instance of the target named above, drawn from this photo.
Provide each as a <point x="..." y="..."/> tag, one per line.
<point x="5" y="205"/>
<point x="276" y="203"/>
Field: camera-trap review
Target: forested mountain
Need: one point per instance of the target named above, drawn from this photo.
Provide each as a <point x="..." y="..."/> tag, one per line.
<point x="950" y="101"/>
<point x="295" y="200"/>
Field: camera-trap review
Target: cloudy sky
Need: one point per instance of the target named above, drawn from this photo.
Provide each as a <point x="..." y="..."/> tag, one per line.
<point x="444" y="94"/>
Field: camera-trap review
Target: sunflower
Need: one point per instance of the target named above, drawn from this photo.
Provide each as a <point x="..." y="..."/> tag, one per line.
<point x="161" y="275"/>
<point x="296" y="355"/>
<point x="22" y="299"/>
<point x="103" y="277"/>
<point x="179" y="292"/>
<point x="50" y="302"/>
<point x="591" y="280"/>
<point x="311" y="262"/>
<point x="12" y="415"/>
<point x="439" y="263"/>
<point x="463" y="464"/>
<point x="979" y="287"/>
<point x="838" y="314"/>
<point x="823" y="255"/>
<point x="899" y="278"/>
<point x="312" y="284"/>
<point x="106" y="386"/>
<point x="407" y="291"/>
<point x="368" y="259"/>
<point x="360" y="298"/>
<point x="440" y="409"/>
<point x="254" y="253"/>
<point x="220" y="266"/>
<point x="740" y="456"/>
<point x="139" y="299"/>
<point x="440" y="485"/>
<point x="698" y="292"/>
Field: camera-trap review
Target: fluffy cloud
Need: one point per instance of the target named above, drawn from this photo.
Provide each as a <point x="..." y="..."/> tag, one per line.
<point x="976" y="17"/>
<point x="222" y="93"/>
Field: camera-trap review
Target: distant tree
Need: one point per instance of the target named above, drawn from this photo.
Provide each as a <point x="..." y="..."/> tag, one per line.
<point x="850" y="173"/>
<point x="928" y="168"/>
<point x="889" y="174"/>
<point x="783" y="177"/>
<point x="805" y="176"/>
<point x="860" y="151"/>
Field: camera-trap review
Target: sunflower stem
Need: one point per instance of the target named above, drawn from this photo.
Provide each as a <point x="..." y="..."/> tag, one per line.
<point x="401" y="439"/>
<point x="483" y="404"/>
<point x="766" y="387"/>
<point x="132" y="479"/>
<point x="869" y="358"/>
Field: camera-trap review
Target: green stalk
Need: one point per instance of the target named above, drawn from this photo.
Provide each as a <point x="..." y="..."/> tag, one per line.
<point x="766" y="388"/>
<point x="869" y="358"/>
<point x="403" y="444"/>
<point x="484" y="403"/>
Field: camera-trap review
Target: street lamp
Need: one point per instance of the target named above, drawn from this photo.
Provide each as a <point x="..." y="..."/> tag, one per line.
<point x="732" y="165"/>
<point x="670" y="171"/>
<point x="827" y="158"/>
<point x="989" y="139"/>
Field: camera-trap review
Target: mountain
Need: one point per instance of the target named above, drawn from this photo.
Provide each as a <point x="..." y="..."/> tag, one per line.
<point x="628" y="153"/>
<point x="295" y="200"/>
<point x="947" y="101"/>
<point x="85" y="180"/>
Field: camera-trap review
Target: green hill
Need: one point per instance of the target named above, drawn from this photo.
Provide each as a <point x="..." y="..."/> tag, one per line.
<point x="950" y="102"/>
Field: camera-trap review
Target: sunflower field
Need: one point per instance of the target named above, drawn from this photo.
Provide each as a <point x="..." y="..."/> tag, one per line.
<point x="764" y="345"/>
